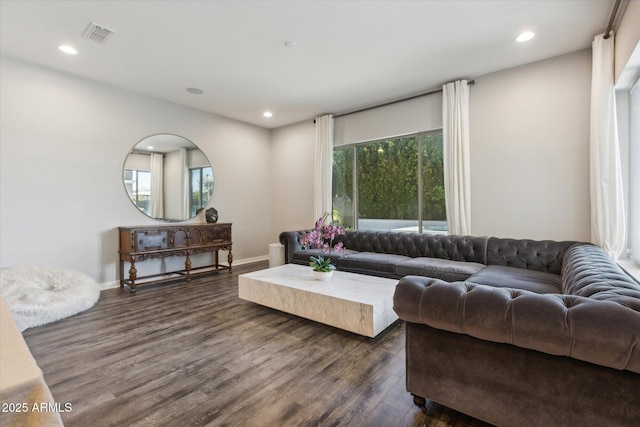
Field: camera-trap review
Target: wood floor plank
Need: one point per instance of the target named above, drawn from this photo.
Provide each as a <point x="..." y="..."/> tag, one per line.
<point x="194" y="354"/>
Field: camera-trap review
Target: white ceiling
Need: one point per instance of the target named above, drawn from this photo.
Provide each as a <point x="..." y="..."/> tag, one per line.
<point x="348" y="54"/>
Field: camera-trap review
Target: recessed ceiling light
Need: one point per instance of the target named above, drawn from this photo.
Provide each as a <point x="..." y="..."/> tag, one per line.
<point x="524" y="37"/>
<point x="69" y="50"/>
<point x="194" y="91"/>
<point x="150" y="147"/>
<point x="290" y="44"/>
<point x="267" y="114"/>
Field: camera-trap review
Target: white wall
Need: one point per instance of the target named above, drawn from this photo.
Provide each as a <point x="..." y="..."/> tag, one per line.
<point x="292" y="161"/>
<point x="63" y="142"/>
<point x="627" y="37"/>
<point x="529" y="136"/>
<point x="529" y="133"/>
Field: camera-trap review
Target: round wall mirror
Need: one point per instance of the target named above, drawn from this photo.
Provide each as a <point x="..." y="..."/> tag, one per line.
<point x="168" y="178"/>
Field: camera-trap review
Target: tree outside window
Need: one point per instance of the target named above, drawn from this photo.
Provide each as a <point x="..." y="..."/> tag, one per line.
<point x="398" y="184"/>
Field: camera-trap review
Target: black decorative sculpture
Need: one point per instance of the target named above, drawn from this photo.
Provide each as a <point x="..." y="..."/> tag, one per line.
<point x="211" y="215"/>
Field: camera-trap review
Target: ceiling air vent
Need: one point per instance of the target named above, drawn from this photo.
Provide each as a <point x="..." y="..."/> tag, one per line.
<point x="97" y="33"/>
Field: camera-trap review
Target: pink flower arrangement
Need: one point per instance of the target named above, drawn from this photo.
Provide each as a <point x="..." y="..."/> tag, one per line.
<point x="323" y="235"/>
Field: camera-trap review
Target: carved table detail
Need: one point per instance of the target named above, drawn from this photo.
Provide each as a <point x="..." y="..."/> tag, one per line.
<point x="147" y="242"/>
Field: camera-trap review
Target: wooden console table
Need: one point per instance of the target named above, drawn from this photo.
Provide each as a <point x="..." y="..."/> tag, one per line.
<point x="146" y="242"/>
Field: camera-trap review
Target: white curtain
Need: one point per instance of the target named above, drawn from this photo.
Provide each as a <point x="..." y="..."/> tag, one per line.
<point x="323" y="166"/>
<point x="455" y="133"/>
<point x="634" y="173"/>
<point x="156" y="209"/>
<point x="184" y="184"/>
<point x="607" y="203"/>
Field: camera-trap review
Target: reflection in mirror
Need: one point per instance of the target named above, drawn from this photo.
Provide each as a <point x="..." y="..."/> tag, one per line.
<point x="168" y="178"/>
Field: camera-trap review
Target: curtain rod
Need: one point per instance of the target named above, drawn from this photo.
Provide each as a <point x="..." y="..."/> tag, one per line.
<point x="384" y="104"/>
<point x="611" y="19"/>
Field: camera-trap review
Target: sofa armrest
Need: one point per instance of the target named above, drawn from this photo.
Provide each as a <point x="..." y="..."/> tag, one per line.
<point x="291" y="242"/>
<point x="601" y="332"/>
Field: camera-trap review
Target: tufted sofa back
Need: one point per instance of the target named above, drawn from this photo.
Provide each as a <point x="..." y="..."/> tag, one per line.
<point x="451" y="247"/>
<point x="539" y="255"/>
<point x="588" y="272"/>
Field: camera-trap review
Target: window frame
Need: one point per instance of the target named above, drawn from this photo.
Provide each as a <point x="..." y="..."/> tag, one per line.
<point x="633" y="180"/>
<point x="418" y="136"/>
<point x="201" y="204"/>
<point x="135" y="181"/>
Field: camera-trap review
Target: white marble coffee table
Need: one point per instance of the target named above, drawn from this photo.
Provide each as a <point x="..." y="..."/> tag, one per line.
<point x="353" y="302"/>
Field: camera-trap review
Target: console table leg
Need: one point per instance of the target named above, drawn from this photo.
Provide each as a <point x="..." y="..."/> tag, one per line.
<point x="133" y="275"/>
<point x="121" y="274"/>
<point x="230" y="260"/>
<point x="187" y="267"/>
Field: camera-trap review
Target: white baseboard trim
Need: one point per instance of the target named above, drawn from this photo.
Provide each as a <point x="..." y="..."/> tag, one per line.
<point x="109" y="285"/>
<point x="116" y="283"/>
<point x="251" y="260"/>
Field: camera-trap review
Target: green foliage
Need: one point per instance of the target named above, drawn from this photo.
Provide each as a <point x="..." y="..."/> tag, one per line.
<point x="321" y="264"/>
<point x="387" y="179"/>
<point x="433" y="203"/>
<point x="343" y="186"/>
<point x="387" y="175"/>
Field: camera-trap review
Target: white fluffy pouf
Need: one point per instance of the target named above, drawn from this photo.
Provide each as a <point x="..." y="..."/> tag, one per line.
<point x="41" y="295"/>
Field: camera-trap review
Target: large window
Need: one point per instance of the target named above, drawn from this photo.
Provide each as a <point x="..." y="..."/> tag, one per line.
<point x="200" y="188"/>
<point x="393" y="184"/>
<point x="138" y="185"/>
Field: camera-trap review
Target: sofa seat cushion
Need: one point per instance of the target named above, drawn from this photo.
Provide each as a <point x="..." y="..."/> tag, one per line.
<point x="371" y="263"/>
<point x="500" y="276"/>
<point x="444" y="269"/>
<point x="303" y="256"/>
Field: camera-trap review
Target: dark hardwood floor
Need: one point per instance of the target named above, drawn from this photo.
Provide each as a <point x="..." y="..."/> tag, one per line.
<point x="194" y="354"/>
